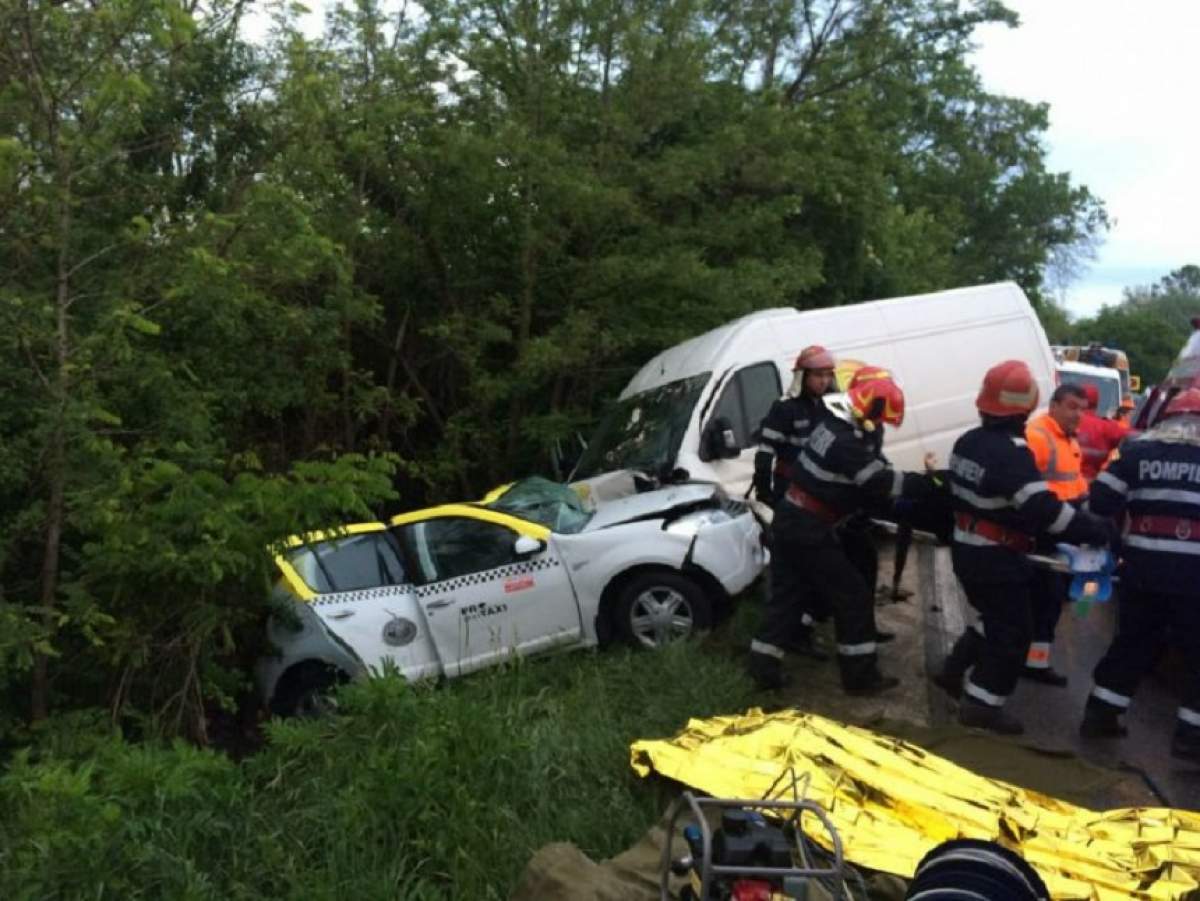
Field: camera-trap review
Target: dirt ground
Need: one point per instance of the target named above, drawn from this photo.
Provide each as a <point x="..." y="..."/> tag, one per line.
<point x="816" y="687"/>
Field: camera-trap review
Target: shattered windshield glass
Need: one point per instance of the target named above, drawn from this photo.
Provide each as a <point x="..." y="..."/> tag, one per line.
<point x="643" y="432"/>
<point x="547" y="503"/>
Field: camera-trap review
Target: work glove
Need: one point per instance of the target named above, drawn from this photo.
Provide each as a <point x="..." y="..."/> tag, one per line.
<point x="1090" y="529"/>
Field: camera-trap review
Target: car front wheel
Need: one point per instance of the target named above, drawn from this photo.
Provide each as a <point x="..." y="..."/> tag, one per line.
<point x="657" y="608"/>
<point x="306" y="691"/>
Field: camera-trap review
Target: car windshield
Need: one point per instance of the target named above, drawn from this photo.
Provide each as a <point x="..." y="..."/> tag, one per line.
<point x="547" y="503"/>
<point x="1109" y="390"/>
<point x="643" y="432"/>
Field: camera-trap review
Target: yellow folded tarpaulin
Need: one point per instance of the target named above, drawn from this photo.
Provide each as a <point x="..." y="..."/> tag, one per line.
<point x="892" y="801"/>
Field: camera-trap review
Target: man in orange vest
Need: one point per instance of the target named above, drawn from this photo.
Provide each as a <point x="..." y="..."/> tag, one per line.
<point x="1051" y="440"/>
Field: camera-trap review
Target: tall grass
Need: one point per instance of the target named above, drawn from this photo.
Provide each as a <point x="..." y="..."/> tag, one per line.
<point x="411" y="791"/>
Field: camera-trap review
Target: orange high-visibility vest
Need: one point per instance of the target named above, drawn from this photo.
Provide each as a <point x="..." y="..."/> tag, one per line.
<point x="1057" y="456"/>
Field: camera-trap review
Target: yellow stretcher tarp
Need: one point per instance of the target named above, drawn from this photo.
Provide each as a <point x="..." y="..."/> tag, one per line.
<point x="892" y="801"/>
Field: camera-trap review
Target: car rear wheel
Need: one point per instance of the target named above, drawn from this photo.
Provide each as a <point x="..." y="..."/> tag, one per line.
<point x="657" y="608"/>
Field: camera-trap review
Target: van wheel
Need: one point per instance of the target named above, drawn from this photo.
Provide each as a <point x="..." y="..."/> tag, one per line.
<point x="306" y="691"/>
<point x="657" y="608"/>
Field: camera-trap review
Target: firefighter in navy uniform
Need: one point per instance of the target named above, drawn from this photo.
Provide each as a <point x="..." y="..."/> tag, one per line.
<point x="789" y="422"/>
<point x="1001" y="503"/>
<point x="783" y="432"/>
<point x="1154" y="479"/>
<point x="838" y="474"/>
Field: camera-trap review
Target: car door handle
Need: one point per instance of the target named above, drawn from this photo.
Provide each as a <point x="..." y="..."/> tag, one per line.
<point x="438" y="605"/>
<point x="342" y="614"/>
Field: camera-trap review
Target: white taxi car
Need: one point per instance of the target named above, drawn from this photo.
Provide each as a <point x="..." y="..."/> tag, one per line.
<point x="451" y="589"/>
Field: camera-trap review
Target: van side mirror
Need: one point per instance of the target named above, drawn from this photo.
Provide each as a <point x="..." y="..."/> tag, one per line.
<point x="525" y="546"/>
<point x="719" y="441"/>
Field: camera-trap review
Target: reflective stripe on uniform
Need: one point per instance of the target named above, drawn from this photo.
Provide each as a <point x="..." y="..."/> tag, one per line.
<point x="897" y="483"/>
<point x="1052" y="473"/>
<point x="823" y="474"/>
<point x="1065" y="515"/>
<point x="864" y="475"/>
<point x="982" y="694"/>
<point x="962" y="536"/>
<point x="978" y="501"/>
<point x="856" y="650"/>
<point x="1039" y="655"/>
<point x="766" y="449"/>
<point x="1100" y="693"/>
<point x="1189" y="716"/>
<point x="1117" y="485"/>
<point x="772" y="434"/>
<point x="1166" y="545"/>
<point x="1020" y="442"/>
<point x="1177" y="495"/>
<point x="1027" y="491"/>
<point x="761" y="647"/>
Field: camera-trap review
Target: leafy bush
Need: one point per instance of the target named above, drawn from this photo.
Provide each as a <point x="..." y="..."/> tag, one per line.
<point x="411" y="791"/>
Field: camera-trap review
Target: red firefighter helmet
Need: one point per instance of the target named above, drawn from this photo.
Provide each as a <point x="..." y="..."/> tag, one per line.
<point x="1008" y="389"/>
<point x="875" y="396"/>
<point x="814" y="357"/>
<point x="1183" y="403"/>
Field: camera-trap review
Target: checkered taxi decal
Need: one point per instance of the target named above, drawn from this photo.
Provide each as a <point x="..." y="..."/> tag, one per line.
<point x="491" y="575"/>
<point x="526" y="568"/>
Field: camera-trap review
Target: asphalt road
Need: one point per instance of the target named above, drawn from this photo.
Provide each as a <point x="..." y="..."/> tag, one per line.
<point x="1051" y="715"/>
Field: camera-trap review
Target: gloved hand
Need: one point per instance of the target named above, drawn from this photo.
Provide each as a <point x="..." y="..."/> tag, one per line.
<point x="1088" y="528"/>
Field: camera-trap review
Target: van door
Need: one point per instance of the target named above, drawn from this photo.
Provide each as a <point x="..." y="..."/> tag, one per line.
<point x="745" y="398"/>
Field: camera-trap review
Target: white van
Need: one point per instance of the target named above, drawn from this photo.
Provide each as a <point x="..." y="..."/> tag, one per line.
<point x="695" y="407"/>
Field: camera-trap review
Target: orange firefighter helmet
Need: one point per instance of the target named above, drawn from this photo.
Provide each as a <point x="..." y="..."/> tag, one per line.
<point x="1009" y="389"/>
<point x="875" y="397"/>
<point x="1183" y="403"/>
<point x="814" y="357"/>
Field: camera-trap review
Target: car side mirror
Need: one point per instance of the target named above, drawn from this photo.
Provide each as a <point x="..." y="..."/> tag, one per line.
<point x="525" y="546"/>
<point x="719" y="441"/>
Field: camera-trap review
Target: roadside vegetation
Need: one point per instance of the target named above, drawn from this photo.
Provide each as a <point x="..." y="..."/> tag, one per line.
<point x="410" y="792"/>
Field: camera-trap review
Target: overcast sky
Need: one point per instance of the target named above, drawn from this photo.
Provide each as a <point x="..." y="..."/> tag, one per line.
<point x="1121" y="82"/>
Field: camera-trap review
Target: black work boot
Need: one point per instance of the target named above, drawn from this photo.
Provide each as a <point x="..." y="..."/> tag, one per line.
<point x="1185" y="743"/>
<point x="1046" y="675"/>
<point x="985" y="716"/>
<point x="950" y="683"/>
<point x="861" y="676"/>
<point x="807" y="645"/>
<point x="767" y="671"/>
<point x="1100" y="720"/>
<point x="961" y="658"/>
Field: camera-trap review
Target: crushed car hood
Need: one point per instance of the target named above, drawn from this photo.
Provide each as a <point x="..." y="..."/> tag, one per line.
<point x="660" y="502"/>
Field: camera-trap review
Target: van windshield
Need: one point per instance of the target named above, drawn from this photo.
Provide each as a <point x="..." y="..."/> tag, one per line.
<point x="643" y="432"/>
<point x="1109" y="389"/>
